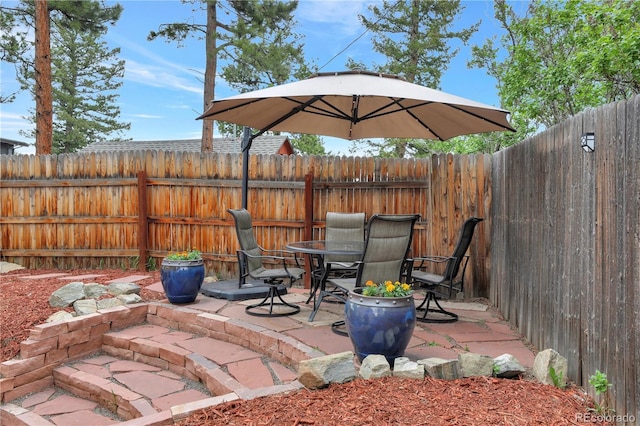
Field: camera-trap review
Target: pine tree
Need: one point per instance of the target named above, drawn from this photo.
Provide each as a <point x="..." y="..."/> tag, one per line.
<point x="415" y="37"/>
<point x="86" y="77"/>
<point x="71" y="22"/>
<point x="253" y="38"/>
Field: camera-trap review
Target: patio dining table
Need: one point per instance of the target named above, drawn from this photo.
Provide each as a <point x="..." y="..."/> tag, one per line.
<point x="316" y="250"/>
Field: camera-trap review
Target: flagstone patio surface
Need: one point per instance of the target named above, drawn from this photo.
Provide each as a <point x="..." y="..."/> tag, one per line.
<point x="478" y="330"/>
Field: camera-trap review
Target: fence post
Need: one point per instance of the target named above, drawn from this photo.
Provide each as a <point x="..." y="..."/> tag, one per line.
<point x="142" y="220"/>
<point x="308" y="222"/>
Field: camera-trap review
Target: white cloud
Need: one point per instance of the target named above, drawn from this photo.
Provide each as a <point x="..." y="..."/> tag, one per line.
<point x="158" y="76"/>
<point x="11" y="123"/>
<point x="343" y="14"/>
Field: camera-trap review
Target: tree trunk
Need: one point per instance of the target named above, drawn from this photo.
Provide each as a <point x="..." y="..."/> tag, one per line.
<point x="44" y="99"/>
<point x="209" y="74"/>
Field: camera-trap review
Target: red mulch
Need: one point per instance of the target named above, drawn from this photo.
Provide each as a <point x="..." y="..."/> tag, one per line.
<point x="386" y="401"/>
<point x="25" y="303"/>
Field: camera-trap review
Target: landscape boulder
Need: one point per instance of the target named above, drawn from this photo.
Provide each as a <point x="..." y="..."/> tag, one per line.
<point x="319" y="372"/>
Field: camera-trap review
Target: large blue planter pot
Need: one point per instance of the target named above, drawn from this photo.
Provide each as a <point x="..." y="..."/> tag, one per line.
<point x="379" y="325"/>
<point x="182" y="279"/>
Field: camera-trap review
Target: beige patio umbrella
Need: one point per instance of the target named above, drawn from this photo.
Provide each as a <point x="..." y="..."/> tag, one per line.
<point x="356" y="105"/>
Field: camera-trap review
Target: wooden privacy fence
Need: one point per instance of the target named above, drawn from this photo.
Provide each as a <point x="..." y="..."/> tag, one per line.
<point x="116" y="209"/>
<point x="565" y="246"/>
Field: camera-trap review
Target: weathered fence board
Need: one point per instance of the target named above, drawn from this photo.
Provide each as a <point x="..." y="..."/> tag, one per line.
<point x="90" y="204"/>
<point x="565" y="245"/>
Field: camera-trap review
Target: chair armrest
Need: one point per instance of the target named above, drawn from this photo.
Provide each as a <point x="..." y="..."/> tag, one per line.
<point x="419" y="262"/>
<point x="286" y="254"/>
<point x="282" y="259"/>
<point x="341" y="265"/>
<point x="261" y="256"/>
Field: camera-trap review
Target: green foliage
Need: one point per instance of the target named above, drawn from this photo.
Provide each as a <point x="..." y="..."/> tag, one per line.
<point x="496" y="369"/>
<point x="601" y="385"/>
<point x="599" y="382"/>
<point x="86" y="77"/>
<point x="254" y="40"/>
<point x="557" y="378"/>
<point x="386" y="289"/>
<point x="192" y="254"/>
<point x="152" y="264"/>
<point x="562" y="57"/>
<point x="134" y="262"/>
<point x="85" y="73"/>
<point x="262" y="49"/>
<point x="308" y="144"/>
<point x="415" y="39"/>
<point x="13" y="42"/>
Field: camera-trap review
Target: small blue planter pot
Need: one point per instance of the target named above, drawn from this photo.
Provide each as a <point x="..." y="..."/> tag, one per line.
<point x="380" y="325"/>
<point x="182" y="279"/>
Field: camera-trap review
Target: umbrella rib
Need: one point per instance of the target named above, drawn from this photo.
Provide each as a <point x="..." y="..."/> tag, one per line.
<point x="422" y="123"/>
<point x="301" y="106"/>
<point x="480" y="117"/>
<point x="337" y="113"/>
<point x="252" y="101"/>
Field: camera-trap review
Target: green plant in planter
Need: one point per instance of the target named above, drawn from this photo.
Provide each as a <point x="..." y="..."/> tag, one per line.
<point x="192" y="254"/>
<point x="386" y="289"/>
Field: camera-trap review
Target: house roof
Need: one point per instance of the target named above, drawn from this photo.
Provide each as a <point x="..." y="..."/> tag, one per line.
<point x="13" y="142"/>
<point x="265" y="144"/>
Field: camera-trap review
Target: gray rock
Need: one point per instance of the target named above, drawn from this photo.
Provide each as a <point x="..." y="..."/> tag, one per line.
<point x="544" y="361"/>
<point x="59" y="316"/>
<point x="66" y="295"/>
<point x="438" y="368"/>
<point x="320" y="372"/>
<point x="475" y="365"/>
<point x="129" y="299"/>
<point x="109" y="303"/>
<point x="117" y="289"/>
<point x="507" y="366"/>
<point x="85" y="306"/>
<point x="375" y="366"/>
<point x="94" y="290"/>
<point x="404" y="367"/>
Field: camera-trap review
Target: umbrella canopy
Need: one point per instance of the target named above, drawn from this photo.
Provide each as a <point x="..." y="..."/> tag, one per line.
<point x="358" y="105"/>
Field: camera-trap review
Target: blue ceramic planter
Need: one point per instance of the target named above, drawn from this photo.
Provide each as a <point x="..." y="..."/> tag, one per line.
<point x="182" y="279"/>
<point x="379" y="325"/>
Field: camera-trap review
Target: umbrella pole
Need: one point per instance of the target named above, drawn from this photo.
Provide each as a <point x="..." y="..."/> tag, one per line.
<point x="246" y="145"/>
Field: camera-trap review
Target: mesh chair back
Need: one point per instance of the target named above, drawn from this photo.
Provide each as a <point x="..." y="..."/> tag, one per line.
<point x="246" y="238"/>
<point x="464" y="241"/>
<point x="387" y="245"/>
<point x="344" y="227"/>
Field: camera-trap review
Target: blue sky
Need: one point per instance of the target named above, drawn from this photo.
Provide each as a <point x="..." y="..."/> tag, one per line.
<point x="162" y="91"/>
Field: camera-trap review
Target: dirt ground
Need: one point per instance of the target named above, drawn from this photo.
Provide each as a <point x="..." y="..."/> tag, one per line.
<point x="388" y="401"/>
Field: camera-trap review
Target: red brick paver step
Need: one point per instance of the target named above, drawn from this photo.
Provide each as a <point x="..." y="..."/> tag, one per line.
<point x="189" y="358"/>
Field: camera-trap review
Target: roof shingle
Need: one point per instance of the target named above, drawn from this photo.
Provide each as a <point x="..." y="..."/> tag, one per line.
<point x="265" y="144"/>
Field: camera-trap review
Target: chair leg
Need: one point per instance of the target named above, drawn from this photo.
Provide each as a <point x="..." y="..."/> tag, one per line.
<point x="336" y="328"/>
<point x="443" y="315"/>
<point x="268" y="301"/>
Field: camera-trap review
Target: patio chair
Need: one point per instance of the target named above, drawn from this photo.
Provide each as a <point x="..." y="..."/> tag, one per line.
<point x="385" y="254"/>
<point x="451" y="280"/>
<point x="341" y="227"/>
<point x="251" y="257"/>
